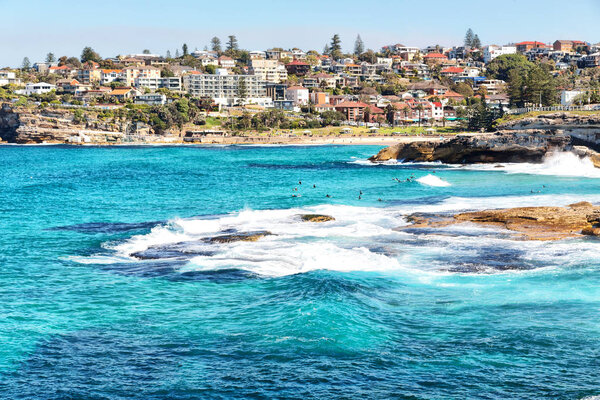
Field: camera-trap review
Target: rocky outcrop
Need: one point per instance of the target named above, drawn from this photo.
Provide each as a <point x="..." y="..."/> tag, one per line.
<point x="584" y="129"/>
<point x="529" y="223"/>
<point x="523" y="140"/>
<point x="316" y="218"/>
<point x="240" y="237"/>
<point x="31" y="125"/>
<point x="523" y="146"/>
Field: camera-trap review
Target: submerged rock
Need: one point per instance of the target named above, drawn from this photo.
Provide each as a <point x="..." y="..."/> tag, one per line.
<point x="532" y="223"/>
<point x="316" y="218"/>
<point x="240" y="237"/>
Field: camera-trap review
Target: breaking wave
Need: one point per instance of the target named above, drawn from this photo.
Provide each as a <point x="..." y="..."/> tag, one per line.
<point x="432" y="180"/>
<point x="359" y="239"/>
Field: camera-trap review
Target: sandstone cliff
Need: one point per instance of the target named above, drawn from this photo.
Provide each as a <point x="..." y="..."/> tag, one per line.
<point x="524" y="140"/>
<point x="28" y="126"/>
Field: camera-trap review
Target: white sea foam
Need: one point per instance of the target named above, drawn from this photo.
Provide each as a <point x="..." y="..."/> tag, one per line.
<point x="556" y="164"/>
<point x="360" y="239"/>
<point x="432" y="180"/>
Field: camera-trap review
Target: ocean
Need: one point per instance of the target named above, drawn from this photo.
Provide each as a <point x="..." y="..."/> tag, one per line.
<point x="110" y="287"/>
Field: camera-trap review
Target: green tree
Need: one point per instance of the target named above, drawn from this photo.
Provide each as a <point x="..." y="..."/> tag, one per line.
<point x="168" y="56"/>
<point x="184" y="48"/>
<point x="146" y="51"/>
<point x="476" y="43"/>
<point x="327" y="50"/>
<point x="469" y="38"/>
<point x="88" y="54"/>
<point x="232" y="45"/>
<point x="336" y="47"/>
<point x="26" y="64"/>
<point x="539" y="87"/>
<point x="242" y="90"/>
<point x="515" y="88"/>
<point x="501" y="66"/>
<point x="50" y="58"/>
<point x="215" y="44"/>
<point x="359" y="46"/>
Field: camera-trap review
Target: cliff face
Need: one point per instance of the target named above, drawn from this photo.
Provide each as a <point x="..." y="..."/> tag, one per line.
<point x="27" y="126"/>
<point x="525" y="140"/>
<point x="583" y="129"/>
<point x="525" y="146"/>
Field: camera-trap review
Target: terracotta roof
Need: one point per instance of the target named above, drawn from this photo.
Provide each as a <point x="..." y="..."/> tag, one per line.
<point x="435" y="55"/>
<point x="351" y="104"/>
<point x="297" y="62"/>
<point x="297" y="88"/>
<point x="120" y="91"/>
<point x="451" y="93"/>
<point x="453" y="70"/>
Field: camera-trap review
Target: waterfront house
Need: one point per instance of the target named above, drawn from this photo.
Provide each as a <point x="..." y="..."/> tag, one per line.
<point x="226" y="62"/>
<point x="151" y="99"/>
<point x="8" y="78"/>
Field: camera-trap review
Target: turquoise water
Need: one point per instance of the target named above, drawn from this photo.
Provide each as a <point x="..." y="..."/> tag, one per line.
<point x="347" y="309"/>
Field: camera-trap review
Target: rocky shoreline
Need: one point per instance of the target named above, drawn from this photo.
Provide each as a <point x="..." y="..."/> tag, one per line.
<point x="528" y="140"/>
<point x="526" y="223"/>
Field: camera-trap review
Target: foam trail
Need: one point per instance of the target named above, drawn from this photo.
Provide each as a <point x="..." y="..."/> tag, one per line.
<point x="432" y="180"/>
<point x="565" y="164"/>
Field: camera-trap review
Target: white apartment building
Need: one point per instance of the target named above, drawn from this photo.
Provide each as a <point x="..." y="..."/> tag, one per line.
<point x="173" y="83"/>
<point x="226" y="89"/>
<point x="271" y="71"/>
<point x="36" y="88"/>
<point x="492" y="51"/>
<point x="7" y="78"/>
<point x="297" y="94"/>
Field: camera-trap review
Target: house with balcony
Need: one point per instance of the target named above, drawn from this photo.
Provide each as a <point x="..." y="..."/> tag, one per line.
<point x="36" y="88"/>
<point x="226" y="62"/>
<point x="8" y="78"/>
<point x="298" y="68"/>
<point x="492" y="51"/>
<point x="354" y="111"/>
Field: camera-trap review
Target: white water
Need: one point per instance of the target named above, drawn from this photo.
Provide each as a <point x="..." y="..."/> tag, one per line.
<point x="432" y="180"/>
<point x="360" y="239"/>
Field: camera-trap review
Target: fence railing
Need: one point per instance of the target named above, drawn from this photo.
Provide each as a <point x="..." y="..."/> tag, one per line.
<point x="524" y="110"/>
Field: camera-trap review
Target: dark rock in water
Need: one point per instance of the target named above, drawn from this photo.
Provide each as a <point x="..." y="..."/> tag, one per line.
<point x="240" y="237"/>
<point x="106" y="227"/>
<point x="181" y="250"/>
<point x="316" y="218"/>
<point x="524" y="146"/>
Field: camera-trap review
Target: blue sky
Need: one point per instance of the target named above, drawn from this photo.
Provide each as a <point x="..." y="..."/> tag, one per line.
<point x="34" y="27"/>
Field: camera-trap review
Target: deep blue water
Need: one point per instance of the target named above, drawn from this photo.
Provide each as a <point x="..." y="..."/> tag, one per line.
<point x="353" y="308"/>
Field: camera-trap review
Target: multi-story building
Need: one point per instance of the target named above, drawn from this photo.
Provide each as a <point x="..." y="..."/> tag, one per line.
<point x="173" y="83"/>
<point x="570" y="46"/>
<point x="226" y="89"/>
<point x="268" y="70"/>
<point x="297" y="94"/>
<point x="151" y="99"/>
<point x="110" y="75"/>
<point x="523" y="47"/>
<point x="90" y="73"/>
<point x="36" y="88"/>
<point x="492" y="51"/>
<point x="298" y="68"/>
<point x="8" y="78"/>
<point x="130" y="74"/>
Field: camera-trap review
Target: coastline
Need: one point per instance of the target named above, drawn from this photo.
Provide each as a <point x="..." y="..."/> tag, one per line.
<point x="254" y="140"/>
